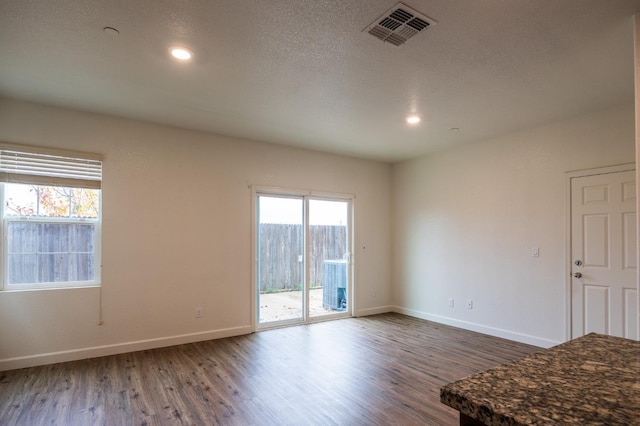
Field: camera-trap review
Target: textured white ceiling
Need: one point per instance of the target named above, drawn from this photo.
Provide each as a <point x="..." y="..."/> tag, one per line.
<point x="303" y="73"/>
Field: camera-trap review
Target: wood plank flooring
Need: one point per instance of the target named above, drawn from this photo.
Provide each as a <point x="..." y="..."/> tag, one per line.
<point x="378" y="370"/>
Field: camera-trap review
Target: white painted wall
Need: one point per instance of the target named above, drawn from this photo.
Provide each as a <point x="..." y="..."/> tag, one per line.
<point x="636" y="48"/>
<point x="465" y="221"/>
<point x="177" y="221"/>
<point x="176" y="234"/>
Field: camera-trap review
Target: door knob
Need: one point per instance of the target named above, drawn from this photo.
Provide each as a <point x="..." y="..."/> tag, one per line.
<point x="577" y="275"/>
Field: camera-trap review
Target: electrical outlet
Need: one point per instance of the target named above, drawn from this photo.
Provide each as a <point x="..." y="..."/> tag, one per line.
<point x="198" y="312"/>
<point x="374" y="294"/>
<point x="451" y="303"/>
<point x="469" y="304"/>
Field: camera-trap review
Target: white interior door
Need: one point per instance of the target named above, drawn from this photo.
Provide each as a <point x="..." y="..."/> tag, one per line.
<point x="604" y="295"/>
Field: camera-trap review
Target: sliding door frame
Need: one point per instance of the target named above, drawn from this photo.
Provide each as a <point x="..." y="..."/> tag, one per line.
<point x="305" y="195"/>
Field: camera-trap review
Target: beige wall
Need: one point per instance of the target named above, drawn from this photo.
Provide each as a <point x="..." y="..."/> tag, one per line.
<point x="177" y="219"/>
<point x="465" y="221"/>
<point x="636" y="38"/>
<point x="176" y="234"/>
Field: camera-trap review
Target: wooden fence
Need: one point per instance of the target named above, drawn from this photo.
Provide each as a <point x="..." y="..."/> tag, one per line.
<point x="50" y="252"/>
<point x="281" y="253"/>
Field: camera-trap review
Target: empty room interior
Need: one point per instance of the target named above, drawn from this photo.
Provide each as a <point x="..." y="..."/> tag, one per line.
<point x="314" y="212"/>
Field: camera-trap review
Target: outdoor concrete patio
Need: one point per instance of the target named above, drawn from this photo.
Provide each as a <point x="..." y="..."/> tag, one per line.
<point x="288" y="305"/>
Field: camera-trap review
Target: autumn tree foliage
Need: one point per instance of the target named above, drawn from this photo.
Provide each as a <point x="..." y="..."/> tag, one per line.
<point x="51" y="201"/>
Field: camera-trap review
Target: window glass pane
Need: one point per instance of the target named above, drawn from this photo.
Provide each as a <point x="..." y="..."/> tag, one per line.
<point x="23" y="238"/>
<point x="54" y="201"/>
<point x="82" y="238"/>
<point x="23" y="268"/>
<point x="81" y="267"/>
<point x="51" y="201"/>
<point x="50" y="252"/>
<point x="53" y="267"/>
<point x="324" y="212"/>
<point x="53" y="237"/>
<point x="85" y="202"/>
<point x="20" y="200"/>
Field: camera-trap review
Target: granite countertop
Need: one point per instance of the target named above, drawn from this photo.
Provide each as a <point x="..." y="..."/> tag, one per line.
<point x="592" y="380"/>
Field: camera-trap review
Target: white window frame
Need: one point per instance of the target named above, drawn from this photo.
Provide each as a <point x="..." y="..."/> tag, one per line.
<point x="45" y="180"/>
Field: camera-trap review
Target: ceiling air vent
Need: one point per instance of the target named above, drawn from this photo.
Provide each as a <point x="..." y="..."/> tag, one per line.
<point x="399" y="24"/>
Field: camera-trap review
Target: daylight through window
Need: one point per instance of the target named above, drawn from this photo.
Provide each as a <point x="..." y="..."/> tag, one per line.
<point x="51" y="220"/>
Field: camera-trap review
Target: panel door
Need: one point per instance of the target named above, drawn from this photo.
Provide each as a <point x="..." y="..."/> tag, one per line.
<point x="604" y="295"/>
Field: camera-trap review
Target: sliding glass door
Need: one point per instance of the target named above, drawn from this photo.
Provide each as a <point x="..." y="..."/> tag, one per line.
<point x="280" y="254"/>
<point x="329" y="257"/>
<point x="303" y="265"/>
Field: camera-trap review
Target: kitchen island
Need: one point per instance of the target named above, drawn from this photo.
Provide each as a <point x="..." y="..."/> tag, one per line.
<point x="592" y="380"/>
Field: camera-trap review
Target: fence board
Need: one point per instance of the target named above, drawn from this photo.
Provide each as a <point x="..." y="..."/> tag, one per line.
<point x="50" y="252"/>
<point x="281" y="249"/>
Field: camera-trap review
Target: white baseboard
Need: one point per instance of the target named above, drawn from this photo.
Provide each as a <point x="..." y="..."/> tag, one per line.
<point x="373" y="311"/>
<point x="119" y="348"/>
<point x="479" y="328"/>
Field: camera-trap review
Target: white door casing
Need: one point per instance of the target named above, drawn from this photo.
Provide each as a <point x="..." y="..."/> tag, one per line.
<point x="308" y="198"/>
<point x="604" y="294"/>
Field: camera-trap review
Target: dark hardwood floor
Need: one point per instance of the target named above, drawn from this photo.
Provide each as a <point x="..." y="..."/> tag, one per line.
<point x="379" y="370"/>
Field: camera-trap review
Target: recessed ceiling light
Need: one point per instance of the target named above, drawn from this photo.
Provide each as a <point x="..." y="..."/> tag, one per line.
<point x="413" y="119"/>
<point x="181" y="53"/>
<point x="454" y="129"/>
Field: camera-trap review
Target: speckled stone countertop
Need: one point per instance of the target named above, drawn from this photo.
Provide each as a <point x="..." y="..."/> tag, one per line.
<point x="592" y="380"/>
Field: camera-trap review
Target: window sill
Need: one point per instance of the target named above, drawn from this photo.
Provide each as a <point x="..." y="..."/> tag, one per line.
<point x="70" y="287"/>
